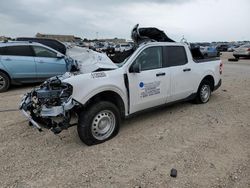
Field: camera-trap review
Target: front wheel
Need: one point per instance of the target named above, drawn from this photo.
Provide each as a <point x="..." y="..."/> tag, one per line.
<point x="99" y="123"/>
<point x="204" y="92"/>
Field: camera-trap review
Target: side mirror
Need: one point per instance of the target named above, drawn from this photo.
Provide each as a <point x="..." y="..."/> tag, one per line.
<point x="136" y="68"/>
<point x="59" y="56"/>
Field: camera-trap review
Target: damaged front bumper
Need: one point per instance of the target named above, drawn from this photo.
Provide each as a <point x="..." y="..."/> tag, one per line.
<point x="50" y="106"/>
<point x="34" y="123"/>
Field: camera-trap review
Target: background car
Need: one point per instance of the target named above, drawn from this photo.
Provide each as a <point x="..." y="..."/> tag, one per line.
<point x="122" y="47"/>
<point x="242" y="51"/>
<point x="52" y="43"/>
<point x="209" y="51"/>
<point x="222" y="47"/>
<point x="28" y="62"/>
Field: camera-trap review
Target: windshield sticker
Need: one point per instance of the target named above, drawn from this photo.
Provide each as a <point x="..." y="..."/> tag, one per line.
<point x="98" y="74"/>
<point x="150" y="89"/>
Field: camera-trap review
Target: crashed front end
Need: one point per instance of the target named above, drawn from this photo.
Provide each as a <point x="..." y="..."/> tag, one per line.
<point x="51" y="105"/>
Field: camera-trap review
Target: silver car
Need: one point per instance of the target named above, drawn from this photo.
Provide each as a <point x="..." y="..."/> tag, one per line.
<point x="242" y="51"/>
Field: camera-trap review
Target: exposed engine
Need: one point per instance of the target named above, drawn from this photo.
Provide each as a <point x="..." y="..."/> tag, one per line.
<point x="50" y="105"/>
<point x="53" y="92"/>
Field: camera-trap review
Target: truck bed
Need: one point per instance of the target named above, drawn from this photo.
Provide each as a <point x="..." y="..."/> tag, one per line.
<point x="206" y="59"/>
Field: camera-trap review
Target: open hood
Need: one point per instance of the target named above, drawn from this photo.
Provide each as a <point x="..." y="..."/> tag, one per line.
<point x="140" y="35"/>
<point x="89" y="60"/>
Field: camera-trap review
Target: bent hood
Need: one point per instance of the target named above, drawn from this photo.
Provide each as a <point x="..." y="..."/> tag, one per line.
<point x="89" y="60"/>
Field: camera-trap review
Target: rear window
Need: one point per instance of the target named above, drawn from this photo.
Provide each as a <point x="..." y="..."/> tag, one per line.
<point x="175" y="56"/>
<point x="17" y="51"/>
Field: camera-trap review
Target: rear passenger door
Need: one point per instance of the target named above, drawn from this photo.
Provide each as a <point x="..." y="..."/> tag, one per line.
<point x="19" y="62"/>
<point x="47" y="62"/>
<point x="182" y="76"/>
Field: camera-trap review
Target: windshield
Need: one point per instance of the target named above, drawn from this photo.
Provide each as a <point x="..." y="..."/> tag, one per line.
<point x="124" y="62"/>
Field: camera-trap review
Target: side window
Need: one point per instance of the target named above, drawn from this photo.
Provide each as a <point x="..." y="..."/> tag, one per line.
<point x="1" y="51"/>
<point x="44" y="52"/>
<point x="18" y="50"/>
<point x="150" y="58"/>
<point x="176" y="56"/>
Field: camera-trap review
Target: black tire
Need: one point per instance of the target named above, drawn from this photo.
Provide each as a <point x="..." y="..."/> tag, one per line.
<point x="86" y="120"/>
<point x="199" y="99"/>
<point x="237" y="57"/>
<point x="233" y="59"/>
<point x="4" y="82"/>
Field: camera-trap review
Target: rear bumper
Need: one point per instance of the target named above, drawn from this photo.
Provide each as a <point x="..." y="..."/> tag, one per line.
<point x="218" y="85"/>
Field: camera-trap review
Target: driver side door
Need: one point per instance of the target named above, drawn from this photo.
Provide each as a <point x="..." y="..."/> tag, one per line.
<point x="151" y="85"/>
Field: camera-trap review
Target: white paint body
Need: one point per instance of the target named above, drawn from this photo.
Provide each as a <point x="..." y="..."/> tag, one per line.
<point x="174" y="86"/>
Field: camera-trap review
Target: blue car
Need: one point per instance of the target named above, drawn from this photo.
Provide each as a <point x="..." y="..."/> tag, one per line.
<point x="28" y="62"/>
<point x="209" y="51"/>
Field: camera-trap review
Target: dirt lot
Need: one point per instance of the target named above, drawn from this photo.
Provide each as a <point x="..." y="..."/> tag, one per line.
<point x="208" y="144"/>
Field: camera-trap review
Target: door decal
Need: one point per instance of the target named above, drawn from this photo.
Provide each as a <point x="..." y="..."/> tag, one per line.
<point x="150" y="89"/>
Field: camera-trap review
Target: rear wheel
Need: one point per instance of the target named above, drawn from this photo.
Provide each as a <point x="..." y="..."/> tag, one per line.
<point x="204" y="92"/>
<point x="99" y="123"/>
<point x="4" y="82"/>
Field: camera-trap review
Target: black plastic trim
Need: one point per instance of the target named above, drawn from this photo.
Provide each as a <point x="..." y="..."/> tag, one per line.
<point x="218" y="85"/>
<point x="127" y="87"/>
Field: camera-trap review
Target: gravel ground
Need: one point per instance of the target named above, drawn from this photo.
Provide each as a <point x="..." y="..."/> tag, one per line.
<point x="208" y="145"/>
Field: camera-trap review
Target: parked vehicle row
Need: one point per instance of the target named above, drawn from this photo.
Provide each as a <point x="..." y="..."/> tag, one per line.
<point x="222" y="47"/>
<point x="123" y="47"/>
<point x="104" y="47"/>
<point x="209" y="51"/>
<point x="238" y="51"/>
<point x="242" y="51"/>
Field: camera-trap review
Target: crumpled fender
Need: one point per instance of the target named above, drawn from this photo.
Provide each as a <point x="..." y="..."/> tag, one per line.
<point x="83" y="90"/>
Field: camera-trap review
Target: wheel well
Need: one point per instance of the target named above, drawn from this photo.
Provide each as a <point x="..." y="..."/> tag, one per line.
<point x="210" y="79"/>
<point x="5" y="73"/>
<point x="109" y="96"/>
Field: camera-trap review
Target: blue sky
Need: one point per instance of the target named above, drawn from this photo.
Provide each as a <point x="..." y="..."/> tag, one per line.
<point x="197" y="20"/>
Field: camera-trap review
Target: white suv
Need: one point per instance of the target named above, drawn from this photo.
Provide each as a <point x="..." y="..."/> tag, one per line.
<point x="122" y="47"/>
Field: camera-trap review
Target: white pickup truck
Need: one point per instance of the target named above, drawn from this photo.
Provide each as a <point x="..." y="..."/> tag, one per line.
<point x="157" y="73"/>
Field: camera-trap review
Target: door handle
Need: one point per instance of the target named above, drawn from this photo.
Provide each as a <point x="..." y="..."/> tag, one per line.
<point x="186" y="70"/>
<point x="161" y="74"/>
